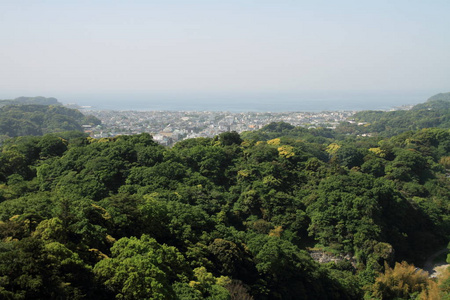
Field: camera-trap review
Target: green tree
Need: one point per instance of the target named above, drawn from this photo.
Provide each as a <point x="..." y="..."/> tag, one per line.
<point x="141" y="269"/>
<point x="350" y="156"/>
<point x="32" y="269"/>
<point x="230" y="138"/>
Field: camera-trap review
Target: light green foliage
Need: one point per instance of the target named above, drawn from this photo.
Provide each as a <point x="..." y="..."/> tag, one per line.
<point x="210" y="286"/>
<point x="286" y="151"/>
<point x="141" y="269"/>
<point x="51" y="230"/>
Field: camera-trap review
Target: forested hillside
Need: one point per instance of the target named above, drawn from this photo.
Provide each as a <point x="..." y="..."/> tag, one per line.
<point x="30" y="100"/>
<point x="433" y="113"/>
<point x="439" y="97"/>
<point x="34" y="119"/>
<point x="233" y="217"/>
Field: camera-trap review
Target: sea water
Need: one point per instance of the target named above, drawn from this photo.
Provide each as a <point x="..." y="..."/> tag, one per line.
<point x="263" y="102"/>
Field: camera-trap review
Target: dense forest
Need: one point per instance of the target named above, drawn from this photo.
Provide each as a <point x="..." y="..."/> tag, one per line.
<point x="230" y="217"/>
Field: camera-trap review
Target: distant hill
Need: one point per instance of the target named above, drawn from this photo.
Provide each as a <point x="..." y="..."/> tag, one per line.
<point x="32" y="119"/>
<point x="436" y="102"/>
<point x="435" y="112"/>
<point x="440" y="97"/>
<point x="30" y="100"/>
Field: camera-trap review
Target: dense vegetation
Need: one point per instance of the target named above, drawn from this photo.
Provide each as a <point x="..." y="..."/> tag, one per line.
<point x="433" y="113"/>
<point x="231" y="217"/>
<point x="34" y="119"/>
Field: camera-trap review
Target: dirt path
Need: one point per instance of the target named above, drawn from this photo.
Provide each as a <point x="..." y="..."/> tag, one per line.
<point x="430" y="267"/>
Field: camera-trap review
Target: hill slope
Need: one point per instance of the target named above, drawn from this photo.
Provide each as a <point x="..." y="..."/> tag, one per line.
<point x="18" y="120"/>
<point x="30" y="100"/>
<point x="433" y="113"/>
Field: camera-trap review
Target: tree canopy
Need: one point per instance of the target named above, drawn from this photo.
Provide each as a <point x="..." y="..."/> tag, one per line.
<point x="279" y="213"/>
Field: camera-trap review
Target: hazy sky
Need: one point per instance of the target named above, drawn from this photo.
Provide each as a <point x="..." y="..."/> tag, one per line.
<point x="64" y="48"/>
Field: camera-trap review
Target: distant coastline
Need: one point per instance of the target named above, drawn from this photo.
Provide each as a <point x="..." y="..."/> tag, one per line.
<point x="253" y="102"/>
<point x="247" y="106"/>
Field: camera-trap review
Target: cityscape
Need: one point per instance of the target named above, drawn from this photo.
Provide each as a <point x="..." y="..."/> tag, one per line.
<point x="169" y="127"/>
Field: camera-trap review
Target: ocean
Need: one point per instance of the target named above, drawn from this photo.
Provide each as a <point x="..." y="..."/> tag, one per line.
<point x="270" y="102"/>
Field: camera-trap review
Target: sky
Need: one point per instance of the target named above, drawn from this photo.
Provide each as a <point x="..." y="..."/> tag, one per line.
<point x="94" y="49"/>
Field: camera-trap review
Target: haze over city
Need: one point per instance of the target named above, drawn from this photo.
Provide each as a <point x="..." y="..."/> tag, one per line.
<point x="94" y="52"/>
